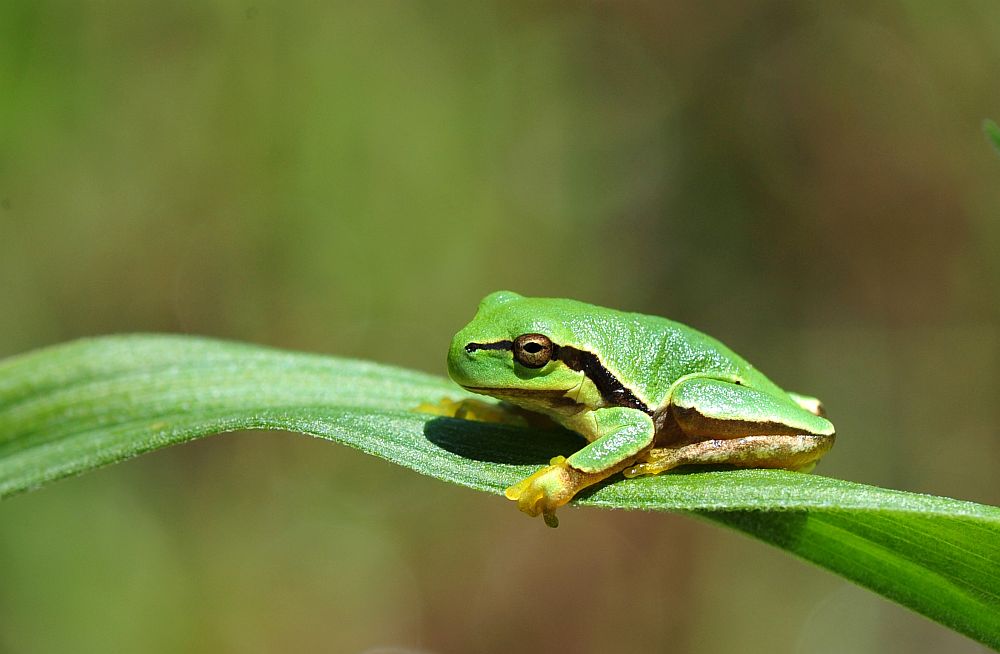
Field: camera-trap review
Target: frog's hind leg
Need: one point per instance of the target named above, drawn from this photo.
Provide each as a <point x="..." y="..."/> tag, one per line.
<point x="719" y="422"/>
<point x="799" y="452"/>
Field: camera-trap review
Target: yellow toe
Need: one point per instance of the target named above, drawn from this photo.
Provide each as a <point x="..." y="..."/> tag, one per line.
<point x="634" y="471"/>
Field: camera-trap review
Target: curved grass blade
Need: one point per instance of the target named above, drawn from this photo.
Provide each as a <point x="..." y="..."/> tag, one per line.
<point x="72" y="408"/>
<point x="992" y="133"/>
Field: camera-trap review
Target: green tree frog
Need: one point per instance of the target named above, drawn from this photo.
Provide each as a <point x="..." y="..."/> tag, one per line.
<point x="649" y="394"/>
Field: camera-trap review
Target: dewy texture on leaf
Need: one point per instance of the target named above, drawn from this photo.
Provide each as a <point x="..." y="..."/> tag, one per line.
<point x="71" y="408"/>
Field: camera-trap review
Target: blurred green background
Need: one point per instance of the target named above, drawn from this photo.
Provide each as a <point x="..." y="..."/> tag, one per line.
<point x="807" y="181"/>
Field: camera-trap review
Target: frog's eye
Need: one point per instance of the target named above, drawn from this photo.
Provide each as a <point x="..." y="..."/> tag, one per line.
<point x="532" y="350"/>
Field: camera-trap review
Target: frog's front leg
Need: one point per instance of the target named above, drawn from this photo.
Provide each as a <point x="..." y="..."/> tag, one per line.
<point x="620" y="435"/>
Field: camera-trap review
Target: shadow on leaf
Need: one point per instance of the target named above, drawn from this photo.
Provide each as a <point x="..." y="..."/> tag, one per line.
<point x="494" y="443"/>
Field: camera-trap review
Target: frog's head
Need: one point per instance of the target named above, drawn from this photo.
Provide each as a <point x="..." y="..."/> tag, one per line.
<point x="511" y="349"/>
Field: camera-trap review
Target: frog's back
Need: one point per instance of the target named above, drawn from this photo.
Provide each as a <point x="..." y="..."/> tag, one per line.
<point x="649" y="353"/>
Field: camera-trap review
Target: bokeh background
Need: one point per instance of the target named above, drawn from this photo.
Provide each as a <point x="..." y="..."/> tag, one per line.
<point x="807" y="181"/>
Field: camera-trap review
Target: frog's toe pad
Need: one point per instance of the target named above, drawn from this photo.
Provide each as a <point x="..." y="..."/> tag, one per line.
<point x="636" y="471"/>
<point x="526" y="494"/>
<point x="544" y="491"/>
<point x="653" y="467"/>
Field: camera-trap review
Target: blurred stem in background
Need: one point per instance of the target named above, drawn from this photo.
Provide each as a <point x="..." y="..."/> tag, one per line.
<point x="992" y="133"/>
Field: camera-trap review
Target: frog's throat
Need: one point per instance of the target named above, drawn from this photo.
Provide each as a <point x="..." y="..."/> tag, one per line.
<point x="613" y="392"/>
<point x="552" y="401"/>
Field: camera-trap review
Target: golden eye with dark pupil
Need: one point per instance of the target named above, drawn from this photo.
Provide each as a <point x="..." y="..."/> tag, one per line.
<point x="532" y="350"/>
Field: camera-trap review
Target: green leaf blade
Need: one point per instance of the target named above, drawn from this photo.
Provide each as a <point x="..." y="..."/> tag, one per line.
<point x="917" y="565"/>
<point x="72" y="408"/>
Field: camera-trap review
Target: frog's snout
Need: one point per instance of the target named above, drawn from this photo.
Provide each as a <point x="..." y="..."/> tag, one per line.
<point x="459" y="361"/>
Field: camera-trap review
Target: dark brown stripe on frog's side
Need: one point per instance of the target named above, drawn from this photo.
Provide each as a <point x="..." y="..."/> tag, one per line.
<point x="612" y="391"/>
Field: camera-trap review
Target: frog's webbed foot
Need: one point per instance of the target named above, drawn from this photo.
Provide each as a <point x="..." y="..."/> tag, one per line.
<point x="548" y="489"/>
